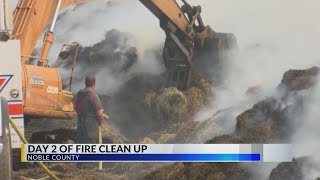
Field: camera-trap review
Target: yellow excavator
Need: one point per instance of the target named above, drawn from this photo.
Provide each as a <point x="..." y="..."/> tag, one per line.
<point x="42" y="91"/>
<point x="29" y="86"/>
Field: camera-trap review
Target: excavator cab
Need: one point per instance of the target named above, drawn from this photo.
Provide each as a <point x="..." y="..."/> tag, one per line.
<point x="66" y="55"/>
<point x="45" y="93"/>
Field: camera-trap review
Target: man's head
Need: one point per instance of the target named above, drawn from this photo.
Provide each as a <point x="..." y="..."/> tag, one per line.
<point x="90" y="81"/>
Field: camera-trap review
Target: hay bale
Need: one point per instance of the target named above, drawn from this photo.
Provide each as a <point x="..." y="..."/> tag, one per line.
<point x="261" y="133"/>
<point x="199" y="171"/>
<point x="150" y="99"/>
<point x="204" y="85"/>
<point x="295" y="170"/>
<point x="217" y="176"/>
<point x="146" y="141"/>
<point x="245" y="121"/>
<point x="295" y="80"/>
<point x="225" y="139"/>
<point x="166" y="138"/>
<point x="196" y="100"/>
<point x="185" y="130"/>
<point x="204" y="131"/>
<point x="254" y="90"/>
<point x="171" y="172"/>
<point x="109" y="135"/>
<point x="263" y="111"/>
<point x="171" y="105"/>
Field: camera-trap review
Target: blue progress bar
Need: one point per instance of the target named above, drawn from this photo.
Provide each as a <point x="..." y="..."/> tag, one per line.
<point x="157" y="157"/>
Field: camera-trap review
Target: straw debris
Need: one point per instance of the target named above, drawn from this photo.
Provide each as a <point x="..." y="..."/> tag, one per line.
<point x="171" y="105"/>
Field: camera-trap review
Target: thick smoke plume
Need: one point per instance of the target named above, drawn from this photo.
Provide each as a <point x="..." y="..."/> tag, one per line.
<point x="273" y="36"/>
<point x="119" y="53"/>
<point x="87" y="23"/>
<point x="110" y="60"/>
<point x="306" y="137"/>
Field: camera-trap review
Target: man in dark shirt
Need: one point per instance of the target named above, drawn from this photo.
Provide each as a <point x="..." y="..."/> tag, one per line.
<point x="89" y="113"/>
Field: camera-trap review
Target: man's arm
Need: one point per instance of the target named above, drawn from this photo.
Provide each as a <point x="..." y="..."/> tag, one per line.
<point x="98" y="108"/>
<point x="100" y="116"/>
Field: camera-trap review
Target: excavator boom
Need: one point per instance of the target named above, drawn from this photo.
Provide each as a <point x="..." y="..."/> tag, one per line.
<point x="30" y="19"/>
<point x="169" y="11"/>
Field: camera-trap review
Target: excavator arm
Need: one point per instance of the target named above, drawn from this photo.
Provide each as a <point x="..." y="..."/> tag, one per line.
<point x="30" y="19"/>
<point x="182" y="36"/>
<point x="169" y="12"/>
<point x="186" y="35"/>
<point x="180" y="20"/>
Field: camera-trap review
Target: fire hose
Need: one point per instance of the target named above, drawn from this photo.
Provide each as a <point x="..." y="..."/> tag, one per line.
<point x="44" y="167"/>
<point x="23" y="139"/>
<point x="100" y="139"/>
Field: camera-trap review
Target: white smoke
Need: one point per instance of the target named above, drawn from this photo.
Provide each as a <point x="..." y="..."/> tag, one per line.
<point x="88" y="23"/>
<point x="273" y="36"/>
<point x="306" y="138"/>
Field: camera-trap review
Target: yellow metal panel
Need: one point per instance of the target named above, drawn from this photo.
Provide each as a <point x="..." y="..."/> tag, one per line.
<point x="169" y="9"/>
<point x="173" y="11"/>
<point x="41" y="87"/>
<point x="44" y="96"/>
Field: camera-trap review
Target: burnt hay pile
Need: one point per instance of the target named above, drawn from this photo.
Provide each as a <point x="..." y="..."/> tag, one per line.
<point x="112" y="57"/>
<point x="136" y="100"/>
<point x="153" y="111"/>
<point x="268" y="121"/>
<point x="156" y="114"/>
<point x="295" y="170"/>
